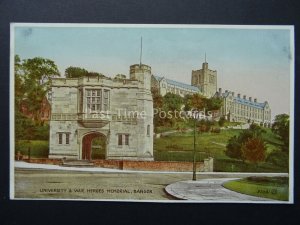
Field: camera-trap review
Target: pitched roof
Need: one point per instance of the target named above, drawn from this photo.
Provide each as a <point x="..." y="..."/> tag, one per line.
<point x="242" y="100"/>
<point x="250" y="103"/>
<point x="178" y="84"/>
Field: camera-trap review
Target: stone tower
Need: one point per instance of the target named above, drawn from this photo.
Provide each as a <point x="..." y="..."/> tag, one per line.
<point x="205" y="79"/>
<point x="142" y="73"/>
<point x="144" y="101"/>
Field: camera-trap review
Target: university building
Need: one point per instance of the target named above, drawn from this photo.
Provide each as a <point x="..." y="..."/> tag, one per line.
<point x="118" y="112"/>
<point x="240" y="109"/>
<point x="204" y="82"/>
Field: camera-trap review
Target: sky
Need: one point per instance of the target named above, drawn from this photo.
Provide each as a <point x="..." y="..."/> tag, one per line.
<point x="250" y="61"/>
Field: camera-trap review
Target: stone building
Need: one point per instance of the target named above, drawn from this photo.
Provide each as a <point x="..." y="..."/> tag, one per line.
<point x="240" y="109"/>
<point x="119" y="112"/>
<point x="164" y="86"/>
<point x="204" y="82"/>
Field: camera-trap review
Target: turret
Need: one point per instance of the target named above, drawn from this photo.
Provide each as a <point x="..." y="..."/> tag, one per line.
<point x="142" y="73"/>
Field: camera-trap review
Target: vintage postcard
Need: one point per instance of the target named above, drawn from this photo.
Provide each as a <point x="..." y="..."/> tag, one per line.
<point x="152" y="113"/>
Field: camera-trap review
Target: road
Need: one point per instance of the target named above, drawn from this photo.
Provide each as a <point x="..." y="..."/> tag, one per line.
<point x="61" y="184"/>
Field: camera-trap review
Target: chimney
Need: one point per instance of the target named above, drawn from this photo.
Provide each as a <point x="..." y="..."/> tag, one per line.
<point x="250" y="99"/>
<point x="239" y="95"/>
<point x="220" y="90"/>
<point x="244" y="96"/>
<point x="255" y="100"/>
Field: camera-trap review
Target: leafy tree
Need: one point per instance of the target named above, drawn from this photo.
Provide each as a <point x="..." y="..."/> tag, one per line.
<point x="37" y="73"/>
<point x="235" y="143"/>
<point x="75" y="72"/>
<point x="256" y="130"/>
<point x="40" y="70"/>
<point x="233" y="148"/>
<point x="24" y="127"/>
<point x="120" y="77"/>
<point x="214" y="104"/>
<point x="157" y="105"/>
<point x="19" y="83"/>
<point x="222" y="121"/>
<point x="281" y="127"/>
<point x="254" y="150"/>
<point x="172" y="102"/>
<point x="97" y="74"/>
<point x="195" y="101"/>
<point x="32" y="81"/>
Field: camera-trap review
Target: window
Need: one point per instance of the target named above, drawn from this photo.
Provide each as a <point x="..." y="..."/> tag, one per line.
<point x="106" y="100"/>
<point x="148" y="130"/>
<point x="60" y="138"/>
<point x="120" y="139"/>
<point x="93" y="100"/>
<point x="67" y="138"/>
<point x="126" y="139"/>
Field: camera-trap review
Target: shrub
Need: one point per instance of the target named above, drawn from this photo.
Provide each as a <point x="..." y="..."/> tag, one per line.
<point x="38" y="148"/>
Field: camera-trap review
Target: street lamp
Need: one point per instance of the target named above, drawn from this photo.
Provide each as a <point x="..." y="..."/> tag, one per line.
<point x="194" y="151"/>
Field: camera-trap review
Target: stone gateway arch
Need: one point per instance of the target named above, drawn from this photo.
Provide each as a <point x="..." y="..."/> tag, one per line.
<point x="93" y="106"/>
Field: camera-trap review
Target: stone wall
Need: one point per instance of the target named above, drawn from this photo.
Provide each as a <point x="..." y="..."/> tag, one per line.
<point x="206" y="166"/>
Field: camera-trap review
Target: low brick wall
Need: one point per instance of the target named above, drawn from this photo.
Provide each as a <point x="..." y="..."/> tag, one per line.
<point x="44" y="161"/>
<point x="161" y="166"/>
<point x="148" y="165"/>
<point x="112" y="164"/>
<point x="138" y="165"/>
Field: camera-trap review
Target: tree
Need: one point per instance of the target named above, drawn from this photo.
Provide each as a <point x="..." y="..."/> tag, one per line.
<point x="172" y="102"/>
<point x="256" y="130"/>
<point x="37" y="73"/>
<point x="233" y="148"/>
<point x="19" y="83"/>
<point x="195" y="101"/>
<point x="281" y="127"/>
<point x="120" y="77"/>
<point x="214" y="103"/>
<point x="235" y="143"/>
<point x="75" y="72"/>
<point x="222" y="121"/>
<point x="40" y="70"/>
<point x="254" y="150"/>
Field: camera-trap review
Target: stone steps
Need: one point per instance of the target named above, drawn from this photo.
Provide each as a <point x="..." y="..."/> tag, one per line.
<point x="77" y="163"/>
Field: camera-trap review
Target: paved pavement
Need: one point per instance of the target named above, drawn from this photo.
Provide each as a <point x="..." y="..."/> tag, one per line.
<point x="26" y="165"/>
<point x="30" y="178"/>
<point x="210" y="190"/>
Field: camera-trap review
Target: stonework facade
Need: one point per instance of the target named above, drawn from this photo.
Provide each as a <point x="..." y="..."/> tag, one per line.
<point x="204" y="82"/>
<point x="240" y="109"/>
<point x="120" y="111"/>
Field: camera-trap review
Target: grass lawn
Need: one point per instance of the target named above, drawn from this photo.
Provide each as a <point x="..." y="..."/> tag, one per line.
<point x="267" y="187"/>
<point x="212" y="144"/>
<point x="179" y="147"/>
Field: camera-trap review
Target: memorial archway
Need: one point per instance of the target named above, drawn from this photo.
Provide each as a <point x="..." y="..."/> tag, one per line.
<point x="93" y="146"/>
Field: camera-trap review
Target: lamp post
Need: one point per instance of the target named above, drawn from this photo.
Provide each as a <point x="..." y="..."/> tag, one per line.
<point x="194" y="152"/>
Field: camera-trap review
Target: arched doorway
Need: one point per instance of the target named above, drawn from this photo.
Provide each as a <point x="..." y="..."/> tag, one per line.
<point x="93" y="146"/>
